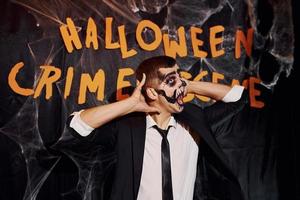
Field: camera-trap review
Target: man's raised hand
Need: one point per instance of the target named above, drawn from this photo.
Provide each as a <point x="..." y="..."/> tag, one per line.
<point x="138" y="100"/>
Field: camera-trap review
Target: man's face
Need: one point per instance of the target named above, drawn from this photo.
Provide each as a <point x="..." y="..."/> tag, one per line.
<point x="171" y="89"/>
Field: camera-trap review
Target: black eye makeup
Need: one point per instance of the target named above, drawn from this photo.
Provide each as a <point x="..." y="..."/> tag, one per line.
<point x="171" y="80"/>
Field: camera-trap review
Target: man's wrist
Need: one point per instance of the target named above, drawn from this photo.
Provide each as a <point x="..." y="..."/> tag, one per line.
<point x="131" y="104"/>
<point x="190" y="87"/>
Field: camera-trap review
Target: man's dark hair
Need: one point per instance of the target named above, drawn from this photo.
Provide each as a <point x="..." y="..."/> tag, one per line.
<point x="151" y="66"/>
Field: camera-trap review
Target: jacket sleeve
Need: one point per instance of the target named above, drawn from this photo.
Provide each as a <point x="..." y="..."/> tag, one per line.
<point x="103" y="137"/>
<point x="220" y="112"/>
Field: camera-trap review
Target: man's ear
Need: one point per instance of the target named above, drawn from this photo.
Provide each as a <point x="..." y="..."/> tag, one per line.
<point x="151" y="93"/>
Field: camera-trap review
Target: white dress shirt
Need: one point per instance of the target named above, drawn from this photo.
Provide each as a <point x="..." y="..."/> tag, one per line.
<point x="183" y="153"/>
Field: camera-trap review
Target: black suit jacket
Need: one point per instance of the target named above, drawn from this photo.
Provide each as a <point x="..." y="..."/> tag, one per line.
<point x="126" y="137"/>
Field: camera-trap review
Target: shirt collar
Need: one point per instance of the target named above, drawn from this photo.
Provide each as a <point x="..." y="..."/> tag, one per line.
<point x="150" y="122"/>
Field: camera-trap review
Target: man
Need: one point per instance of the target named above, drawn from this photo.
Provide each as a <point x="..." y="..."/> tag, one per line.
<point x="165" y="149"/>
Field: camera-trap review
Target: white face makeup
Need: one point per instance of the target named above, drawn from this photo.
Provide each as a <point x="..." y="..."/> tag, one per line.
<point x="172" y="88"/>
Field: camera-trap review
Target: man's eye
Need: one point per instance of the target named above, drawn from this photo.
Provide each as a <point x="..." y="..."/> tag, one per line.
<point x="170" y="82"/>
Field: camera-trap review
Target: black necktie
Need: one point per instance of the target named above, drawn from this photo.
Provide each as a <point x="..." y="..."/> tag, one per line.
<point x="167" y="192"/>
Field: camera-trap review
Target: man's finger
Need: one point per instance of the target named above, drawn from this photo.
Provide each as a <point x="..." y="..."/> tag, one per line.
<point x="140" y="84"/>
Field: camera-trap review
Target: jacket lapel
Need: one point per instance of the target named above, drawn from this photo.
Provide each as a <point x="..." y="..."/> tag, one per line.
<point x="138" y="134"/>
<point x="194" y="117"/>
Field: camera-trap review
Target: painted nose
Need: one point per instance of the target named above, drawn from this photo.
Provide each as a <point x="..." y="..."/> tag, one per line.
<point x="183" y="83"/>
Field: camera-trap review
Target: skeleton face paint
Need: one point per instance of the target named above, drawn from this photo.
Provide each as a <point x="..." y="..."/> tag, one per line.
<point x="172" y="88"/>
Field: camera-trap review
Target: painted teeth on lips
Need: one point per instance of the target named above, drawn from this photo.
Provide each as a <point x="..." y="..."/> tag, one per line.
<point x="180" y="98"/>
<point x="179" y="93"/>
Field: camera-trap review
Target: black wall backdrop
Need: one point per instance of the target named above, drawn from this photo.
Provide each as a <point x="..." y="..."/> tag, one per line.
<point x="261" y="143"/>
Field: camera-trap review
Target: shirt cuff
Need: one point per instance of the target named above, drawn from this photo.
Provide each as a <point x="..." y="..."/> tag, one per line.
<point x="80" y="126"/>
<point x="234" y="94"/>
